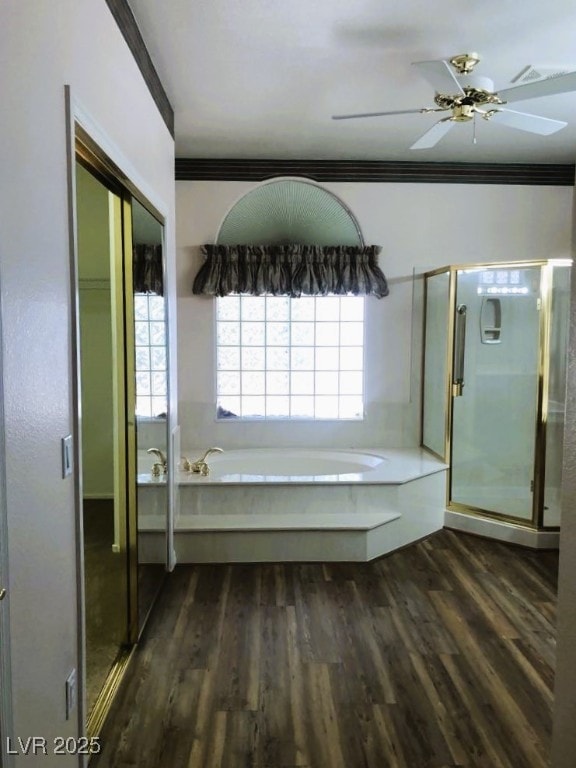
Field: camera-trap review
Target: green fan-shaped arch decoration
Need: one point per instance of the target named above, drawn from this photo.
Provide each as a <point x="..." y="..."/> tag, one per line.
<point x="287" y="212"/>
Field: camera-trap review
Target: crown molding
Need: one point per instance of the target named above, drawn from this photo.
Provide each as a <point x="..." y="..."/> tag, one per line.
<point x="208" y="169"/>
<point x="126" y="22"/>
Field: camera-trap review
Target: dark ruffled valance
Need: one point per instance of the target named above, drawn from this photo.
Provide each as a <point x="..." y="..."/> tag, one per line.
<point x="290" y="270"/>
<point x="148" y="269"/>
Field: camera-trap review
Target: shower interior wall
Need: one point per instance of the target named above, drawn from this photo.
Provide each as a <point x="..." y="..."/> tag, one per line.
<point x="420" y="227"/>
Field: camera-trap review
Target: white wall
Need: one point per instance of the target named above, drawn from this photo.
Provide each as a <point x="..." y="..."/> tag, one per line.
<point x="43" y="46"/>
<point x="564" y="737"/>
<point x="420" y="227"/>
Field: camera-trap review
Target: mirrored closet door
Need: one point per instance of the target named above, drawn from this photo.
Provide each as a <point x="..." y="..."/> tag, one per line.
<point x="104" y="481"/>
<point x="151" y="397"/>
<point x="123" y="408"/>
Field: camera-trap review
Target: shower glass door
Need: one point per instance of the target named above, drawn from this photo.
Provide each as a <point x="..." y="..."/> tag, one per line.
<point x="495" y="389"/>
<point x="436" y="341"/>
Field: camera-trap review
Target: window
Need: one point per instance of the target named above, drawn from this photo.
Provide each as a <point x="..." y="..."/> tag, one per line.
<point x="288" y="358"/>
<point x="150" y="335"/>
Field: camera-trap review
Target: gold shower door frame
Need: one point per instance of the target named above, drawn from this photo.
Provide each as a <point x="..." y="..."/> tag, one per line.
<point x="536" y="522"/>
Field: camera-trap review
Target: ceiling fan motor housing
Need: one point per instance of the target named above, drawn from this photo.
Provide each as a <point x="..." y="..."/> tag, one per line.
<point x="462" y="113"/>
<point x="478" y="90"/>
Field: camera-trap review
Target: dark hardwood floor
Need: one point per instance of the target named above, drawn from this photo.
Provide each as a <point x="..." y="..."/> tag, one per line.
<point x="438" y="655"/>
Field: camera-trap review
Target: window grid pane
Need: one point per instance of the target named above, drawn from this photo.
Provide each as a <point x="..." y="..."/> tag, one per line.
<point x="282" y="358"/>
<point x="151" y="378"/>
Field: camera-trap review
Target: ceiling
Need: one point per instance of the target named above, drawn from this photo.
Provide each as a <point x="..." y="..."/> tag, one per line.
<point x="262" y="78"/>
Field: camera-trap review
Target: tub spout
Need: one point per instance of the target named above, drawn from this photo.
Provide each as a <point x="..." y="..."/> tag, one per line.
<point x="162" y="463"/>
<point x="211" y="450"/>
<point x="200" y="466"/>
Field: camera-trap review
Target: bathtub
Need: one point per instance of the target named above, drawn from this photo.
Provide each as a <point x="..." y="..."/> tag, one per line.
<point x="311" y="466"/>
<point x="276" y="504"/>
<point x="293" y="504"/>
<point x="288" y="465"/>
<point x="299" y="466"/>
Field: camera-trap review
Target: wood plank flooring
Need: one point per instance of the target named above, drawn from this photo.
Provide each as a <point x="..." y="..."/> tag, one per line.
<point x="436" y="656"/>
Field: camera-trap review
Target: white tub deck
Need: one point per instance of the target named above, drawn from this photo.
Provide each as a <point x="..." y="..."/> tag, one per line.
<point x="240" y="517"/>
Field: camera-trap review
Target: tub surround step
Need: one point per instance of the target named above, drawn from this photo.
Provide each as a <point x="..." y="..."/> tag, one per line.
<point x="360" y="521"/>
<point x="149" y="523"/>
<point x="278" y="538"/>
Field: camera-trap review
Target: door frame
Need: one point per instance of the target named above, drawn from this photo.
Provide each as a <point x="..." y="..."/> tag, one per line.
<point x="6" y="724"/>
<point x="106" y="163"/>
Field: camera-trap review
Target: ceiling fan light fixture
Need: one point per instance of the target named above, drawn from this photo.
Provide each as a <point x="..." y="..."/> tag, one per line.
<point x="462" y="113"/>
<point x="476" y="83"/>
<point x="464" y="63"/>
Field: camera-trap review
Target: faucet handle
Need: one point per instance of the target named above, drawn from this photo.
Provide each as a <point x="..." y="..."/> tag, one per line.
<point x="186" y="464"/>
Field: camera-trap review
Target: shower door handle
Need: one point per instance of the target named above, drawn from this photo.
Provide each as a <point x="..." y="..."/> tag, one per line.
<point x="459" y="350"/>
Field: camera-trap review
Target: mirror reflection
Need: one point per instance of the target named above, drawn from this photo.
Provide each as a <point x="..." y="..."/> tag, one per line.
<point x="151" y="375"/>
<point x="99" y="228"/>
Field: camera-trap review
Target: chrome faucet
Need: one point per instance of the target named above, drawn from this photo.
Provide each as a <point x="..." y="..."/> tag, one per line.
<point x="200" y="466"/>
<point x="161" y="466"/>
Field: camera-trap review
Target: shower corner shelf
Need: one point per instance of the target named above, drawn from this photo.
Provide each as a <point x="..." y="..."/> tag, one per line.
<point x="490" y="320"/>
<point x="491" y="335"/>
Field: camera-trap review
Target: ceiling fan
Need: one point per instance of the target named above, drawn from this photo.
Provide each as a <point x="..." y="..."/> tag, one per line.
<point x="467" y="95"/>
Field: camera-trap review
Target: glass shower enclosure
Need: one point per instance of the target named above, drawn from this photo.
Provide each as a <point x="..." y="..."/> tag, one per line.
<point x="495" y="342"/>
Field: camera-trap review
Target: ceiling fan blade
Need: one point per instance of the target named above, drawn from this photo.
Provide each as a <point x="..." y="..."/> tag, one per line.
<point x="525" y="122"/>
<point x="550" y="87"/>
<point x="377" y="114"/>
<point x="439" y="75"/>
<point x="433" y="136"/>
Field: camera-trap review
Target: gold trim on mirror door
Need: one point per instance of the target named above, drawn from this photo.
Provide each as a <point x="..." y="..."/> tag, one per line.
<point x="131" y="453"/>
<point x="92" y="157"/>
<point x="96" y="162"/>
<point x="109" y="690"/>
<point x="118" y="356"/>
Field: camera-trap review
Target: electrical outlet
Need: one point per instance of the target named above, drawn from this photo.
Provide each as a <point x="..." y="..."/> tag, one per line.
<point x="70" y="693"/>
